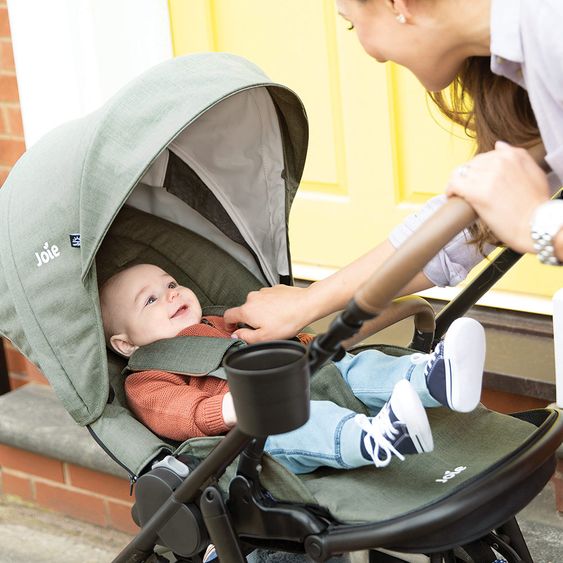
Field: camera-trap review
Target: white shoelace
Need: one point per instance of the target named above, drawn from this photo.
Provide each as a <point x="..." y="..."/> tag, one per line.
<point x="381" y="430"/>
<point x="420" y="358"/>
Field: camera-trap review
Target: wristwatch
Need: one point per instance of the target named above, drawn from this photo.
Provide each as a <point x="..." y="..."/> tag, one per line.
<point x="547" y="221"/>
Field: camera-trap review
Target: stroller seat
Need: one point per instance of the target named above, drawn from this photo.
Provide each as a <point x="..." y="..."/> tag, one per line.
<point x="431" y="487"/>
<point x="194" y="167"/>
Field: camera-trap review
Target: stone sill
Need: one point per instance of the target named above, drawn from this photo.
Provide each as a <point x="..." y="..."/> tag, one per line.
<point x="34" y="420"/>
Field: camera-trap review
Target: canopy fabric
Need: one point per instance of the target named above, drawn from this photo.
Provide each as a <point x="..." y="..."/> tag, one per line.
<point x="63" y="194"/>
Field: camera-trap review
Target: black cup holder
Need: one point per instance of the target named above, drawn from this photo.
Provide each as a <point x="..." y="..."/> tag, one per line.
<point x="270" y="387"/>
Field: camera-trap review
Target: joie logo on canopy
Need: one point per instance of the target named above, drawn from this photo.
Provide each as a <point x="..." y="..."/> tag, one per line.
<point x="451" y="474"/>
<point x="47" y="254"/>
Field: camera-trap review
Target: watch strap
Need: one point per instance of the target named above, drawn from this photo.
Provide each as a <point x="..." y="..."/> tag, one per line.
<point x="546" y="223"/>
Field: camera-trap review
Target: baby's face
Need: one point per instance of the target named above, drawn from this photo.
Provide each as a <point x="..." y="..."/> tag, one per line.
<point x="146" y="304"/>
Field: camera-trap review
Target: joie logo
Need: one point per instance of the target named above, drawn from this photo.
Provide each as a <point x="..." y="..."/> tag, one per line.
<point x="47" y="254"/>
<point x="451" y="474"/>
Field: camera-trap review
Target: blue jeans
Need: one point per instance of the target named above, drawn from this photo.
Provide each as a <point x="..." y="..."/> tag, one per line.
<point x="331" y="437"/>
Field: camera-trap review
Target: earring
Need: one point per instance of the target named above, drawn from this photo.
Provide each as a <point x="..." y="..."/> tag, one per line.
<point x="401" y="18"/>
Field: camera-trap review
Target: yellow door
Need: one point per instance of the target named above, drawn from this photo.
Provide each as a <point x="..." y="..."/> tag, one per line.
<point x="377" y="149"/>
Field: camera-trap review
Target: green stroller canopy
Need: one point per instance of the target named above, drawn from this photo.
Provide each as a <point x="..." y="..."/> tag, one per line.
<point x="243" y="139"/>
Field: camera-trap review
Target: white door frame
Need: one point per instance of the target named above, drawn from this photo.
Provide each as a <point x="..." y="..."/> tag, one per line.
<point x="71" y="55"/>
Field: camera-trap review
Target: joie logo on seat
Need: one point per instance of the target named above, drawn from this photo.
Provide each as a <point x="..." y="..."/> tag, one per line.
<point x="47" y="254"/>
<point x="451" y="474"/>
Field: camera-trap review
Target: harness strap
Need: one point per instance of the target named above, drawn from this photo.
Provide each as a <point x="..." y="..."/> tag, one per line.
<point x="195" y="356"/>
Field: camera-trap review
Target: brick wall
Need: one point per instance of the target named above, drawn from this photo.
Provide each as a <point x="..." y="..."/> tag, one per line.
<point x="69" y="489"/>
<point x="12" y="146"/>
<point x="72" y="490"/>
<point x="12" y="143"/>
<point x="75" y="491"/>
<point x="20" y="370"/>
<point x="557" y="481"/>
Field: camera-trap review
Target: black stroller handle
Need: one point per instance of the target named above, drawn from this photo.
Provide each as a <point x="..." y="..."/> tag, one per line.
<point x="409" y="259"/>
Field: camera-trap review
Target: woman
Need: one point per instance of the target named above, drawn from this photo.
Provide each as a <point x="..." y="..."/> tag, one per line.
<point x="503" y="61"/>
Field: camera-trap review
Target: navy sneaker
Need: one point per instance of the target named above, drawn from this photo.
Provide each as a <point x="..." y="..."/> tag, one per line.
<point x="454" y="371"/>
<point x="210" y="554"/>
<point x="401" y="427"/>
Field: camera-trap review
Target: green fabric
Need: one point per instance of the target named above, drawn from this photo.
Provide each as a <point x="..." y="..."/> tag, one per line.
<point x="75" y="180"/>
<point x="187" y="355"/>
<point x="327" y="385"/>
<point x="369" y="494"/>
<point x="275" y="477"/>
<point x="476" y="441"/>
<point x="136" y="237"/>
<point x="132" y="443"/>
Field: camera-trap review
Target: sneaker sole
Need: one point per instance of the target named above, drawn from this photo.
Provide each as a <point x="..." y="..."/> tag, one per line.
<point x="464" y="355"/>
<point x="409" y="409"/>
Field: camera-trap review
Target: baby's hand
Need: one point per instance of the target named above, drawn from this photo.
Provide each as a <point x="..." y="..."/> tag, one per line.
<point x="228" y="410"/>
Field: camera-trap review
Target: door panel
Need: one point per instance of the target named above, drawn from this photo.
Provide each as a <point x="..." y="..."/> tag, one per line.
<point x="378" y="147"/>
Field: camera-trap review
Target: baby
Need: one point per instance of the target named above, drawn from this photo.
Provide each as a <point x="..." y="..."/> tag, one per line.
<point x="143" y="304"/>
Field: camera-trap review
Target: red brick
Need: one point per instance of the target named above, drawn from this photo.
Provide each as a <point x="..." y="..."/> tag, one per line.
<point x="34" y="374"/>
<point x="504" y="402"/>
<point x="100" y="483"/>
<point x="9" y="88"/>
<point x="557" y="481"/>
<point x="20" y="460"/>
<point x="16" y="381"/>
<point x="17" y="486"/>
<point x="120" y="518"/>
<point x="4" y="171"/>
<point x="14" y="120"/>
<point x="7" y="56"/>
<point x="4" y="120"/>
<point x="72" y="503"/>
<point x="16" y="362"/>
<point x="4" y="23"/>
<point x="10" y="151"/>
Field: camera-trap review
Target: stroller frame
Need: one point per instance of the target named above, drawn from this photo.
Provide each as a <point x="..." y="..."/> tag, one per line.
<point x="478" y="517"/>
<point x="214" y="125"/>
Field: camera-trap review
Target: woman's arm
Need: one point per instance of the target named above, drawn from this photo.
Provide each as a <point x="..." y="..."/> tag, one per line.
<point x="282" y="311"/>
<point x="505" y="187"/>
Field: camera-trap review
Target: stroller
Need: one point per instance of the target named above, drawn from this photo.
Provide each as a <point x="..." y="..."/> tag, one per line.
<point x="193" y="167"/>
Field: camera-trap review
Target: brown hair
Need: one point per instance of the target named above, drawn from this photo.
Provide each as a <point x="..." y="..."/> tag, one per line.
<point x="490" y="108"/>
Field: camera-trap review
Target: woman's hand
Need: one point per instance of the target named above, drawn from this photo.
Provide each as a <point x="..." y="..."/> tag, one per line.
<point x="273" y="312"/>
<point x="504" y="186"/>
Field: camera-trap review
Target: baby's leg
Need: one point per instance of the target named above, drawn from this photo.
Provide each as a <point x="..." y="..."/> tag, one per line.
<point x="451" y="376"/>
<point x="329" y="438"/>
<point x="372" y="375"/>
<point x="337" y="437"/>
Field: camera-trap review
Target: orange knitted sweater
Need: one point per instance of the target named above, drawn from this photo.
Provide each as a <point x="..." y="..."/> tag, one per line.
<point x="178" y="406"/>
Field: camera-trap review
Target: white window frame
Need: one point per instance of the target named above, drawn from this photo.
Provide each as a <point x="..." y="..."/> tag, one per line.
<point x="72" y="55"/>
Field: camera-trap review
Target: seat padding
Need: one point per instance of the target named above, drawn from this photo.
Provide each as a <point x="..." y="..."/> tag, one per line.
<point x="136" y="237"/>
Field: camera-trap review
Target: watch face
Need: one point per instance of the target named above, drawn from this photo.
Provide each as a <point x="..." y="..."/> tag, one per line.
<point x="548" y="218"/>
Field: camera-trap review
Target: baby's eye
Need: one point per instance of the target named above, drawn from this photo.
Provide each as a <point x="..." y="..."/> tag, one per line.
<point x="172" y="285"/>
<point x="150" y="300"/>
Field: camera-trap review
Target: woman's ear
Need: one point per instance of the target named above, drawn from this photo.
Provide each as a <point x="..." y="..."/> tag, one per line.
<point x="122" y="345"/>
<point x="400" y="8"/>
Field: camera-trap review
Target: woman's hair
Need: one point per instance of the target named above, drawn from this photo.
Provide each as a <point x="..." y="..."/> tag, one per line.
<point x="490" y="108"/>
